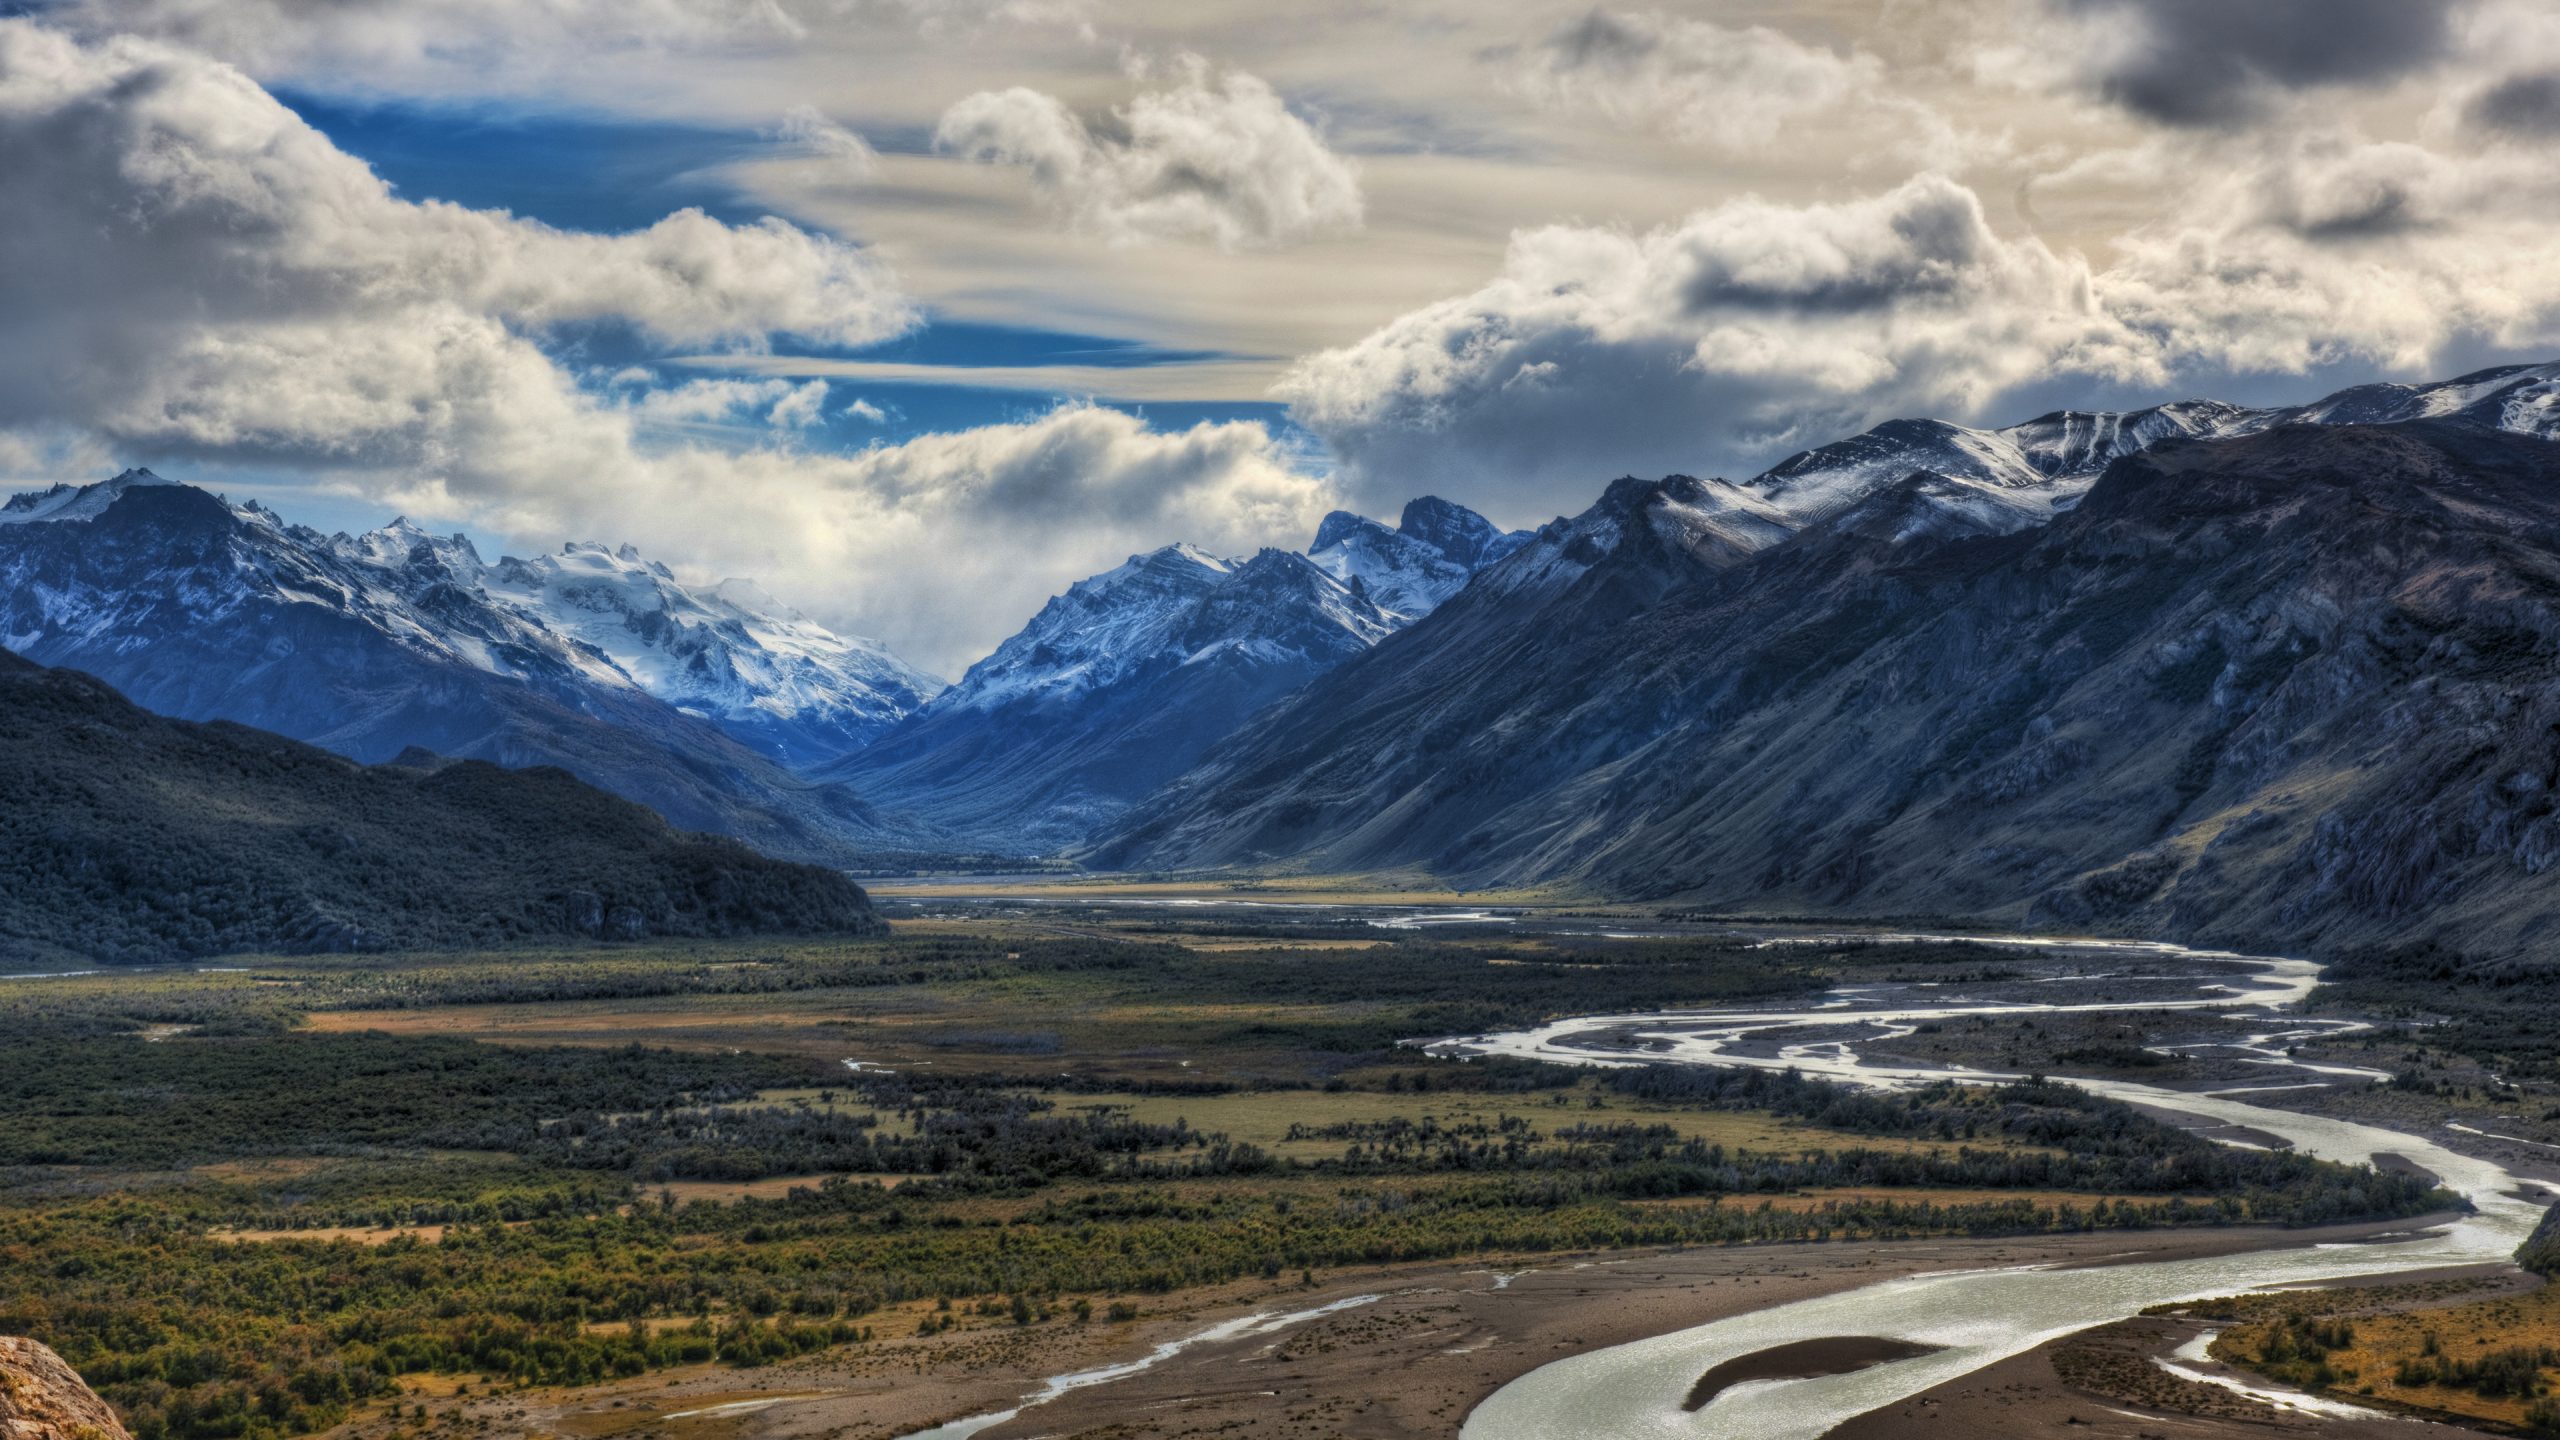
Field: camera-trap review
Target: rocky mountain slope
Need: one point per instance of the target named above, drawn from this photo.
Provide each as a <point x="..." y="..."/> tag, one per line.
<point x="129" y="837"/>
<point x="1121" y="683"/>
<point x="372" y="645"/>
<point x="2284" y="687"/>
<point x="1409" y="570"/>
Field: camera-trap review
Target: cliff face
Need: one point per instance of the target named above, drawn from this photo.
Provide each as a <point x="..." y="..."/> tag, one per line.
<point x="43" y="1399"/>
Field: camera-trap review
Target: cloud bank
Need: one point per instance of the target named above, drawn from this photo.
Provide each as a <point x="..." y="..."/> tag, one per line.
<point x="1751" y="326"/>
<point x="1752" y="329"/>
<point x="1732" y="88"/>
<point x="222" y="284"/>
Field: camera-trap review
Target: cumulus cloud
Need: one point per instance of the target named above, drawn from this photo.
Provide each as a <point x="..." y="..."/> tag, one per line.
<point x="1211" y="158"/>
<point x="2336" y="248"/>
<point x="944" y="544"/>
<point x="2218" y="63"/>
<point x="217" y="271"/>
<point x="1733" y="88"/>
<point x="1748" y="327"/>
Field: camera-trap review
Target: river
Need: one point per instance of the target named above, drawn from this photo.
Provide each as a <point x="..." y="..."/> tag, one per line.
<point x="1976" y="1317"/>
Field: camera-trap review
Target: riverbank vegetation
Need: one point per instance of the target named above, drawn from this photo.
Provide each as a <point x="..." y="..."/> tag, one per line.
<point x="2434" y="1349"/>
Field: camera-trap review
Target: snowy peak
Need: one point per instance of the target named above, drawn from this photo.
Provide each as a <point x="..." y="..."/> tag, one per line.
<point x="1410" y="570"/>
<point x="1713" y="521"/>
<point x="1174" y="606"/>
<point x="2074" y="442"/>
<point x="2023" y="474"/>
<point x="74" y="502"/>
<point x="404" y="546"/>
<point x="770" y="676"/>
<point x="1466" y="537"/>
<point x="1342" y="525"/>
<point x="1709" y="523"/>
<point x="1832" y="478"/>
<point x="2521" y="398"/>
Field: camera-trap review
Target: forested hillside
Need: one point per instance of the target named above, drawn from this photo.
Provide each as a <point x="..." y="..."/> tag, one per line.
<point x="126" y="837"/>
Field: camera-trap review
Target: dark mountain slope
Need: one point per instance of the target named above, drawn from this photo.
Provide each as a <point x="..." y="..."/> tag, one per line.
<point x="199" y="610"/>
<point x="2299" y="687"/>
<point x="128" y="837"/>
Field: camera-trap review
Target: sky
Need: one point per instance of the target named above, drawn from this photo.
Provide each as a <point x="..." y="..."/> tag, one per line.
<point x="916" y="311"/>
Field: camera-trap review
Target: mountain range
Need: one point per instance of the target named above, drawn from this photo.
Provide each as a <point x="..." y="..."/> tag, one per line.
<point x="692" y="703"/>
<point x="2099" y="669"/>
<point x="2262" y="675"/>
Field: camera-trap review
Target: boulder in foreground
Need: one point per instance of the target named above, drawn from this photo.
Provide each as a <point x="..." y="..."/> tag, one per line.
<point x="43" y="1399"/>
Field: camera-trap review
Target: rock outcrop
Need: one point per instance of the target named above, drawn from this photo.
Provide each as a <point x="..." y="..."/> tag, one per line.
<point x="43" y="1399"/>
<point x="2541" y="1254"/>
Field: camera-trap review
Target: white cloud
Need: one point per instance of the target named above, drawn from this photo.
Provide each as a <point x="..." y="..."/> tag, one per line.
<point x="808" y="130"/>
<point x="941" y="545"/>
<point x="866" y="412"/>
<point x="776" y="403"/>
<point x="1214" y="158"/>
<point x="216" y="270"/>
<point x="2332" y="248"/>
<point x="1750" y="326"/>
<point x="1734" y="88"/>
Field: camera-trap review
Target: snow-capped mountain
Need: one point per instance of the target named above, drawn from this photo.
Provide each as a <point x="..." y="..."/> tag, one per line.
<point x="2021" y="475"/>
<point x="376" y="643"/>
<point x="1114" y="687"/>
<point x="732" y="654"/>
<point x="1408" y="571"/>
<point x="1123" y="681"/>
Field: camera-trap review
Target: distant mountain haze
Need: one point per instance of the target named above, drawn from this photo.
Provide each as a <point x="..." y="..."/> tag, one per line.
<point x="1393" y="695"/>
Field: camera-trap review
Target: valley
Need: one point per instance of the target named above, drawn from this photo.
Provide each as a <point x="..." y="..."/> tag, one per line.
<point x="776" y="1187"/>
<point x="1124" y="720"/>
